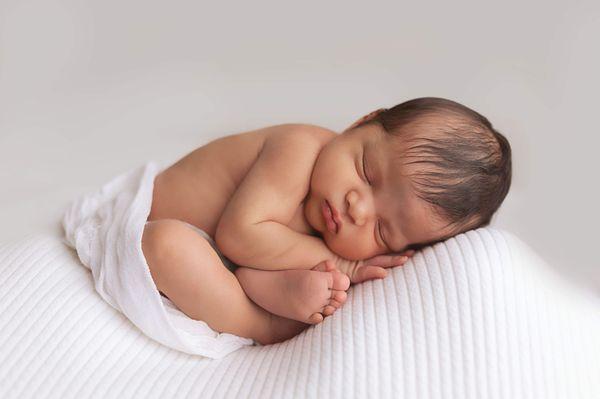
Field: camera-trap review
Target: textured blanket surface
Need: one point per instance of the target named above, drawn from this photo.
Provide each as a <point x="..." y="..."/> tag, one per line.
<point x="478" y="316"/>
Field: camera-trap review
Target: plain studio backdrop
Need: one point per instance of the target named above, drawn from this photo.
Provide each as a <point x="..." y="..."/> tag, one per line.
<point x="89" y="90"/>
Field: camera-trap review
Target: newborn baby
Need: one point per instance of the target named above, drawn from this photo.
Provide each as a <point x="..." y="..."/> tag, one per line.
<point x="298" y="212"/>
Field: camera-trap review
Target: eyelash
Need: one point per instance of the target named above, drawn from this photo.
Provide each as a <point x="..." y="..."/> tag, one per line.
<point x="364" y="169"/>
<point x="367" y="179"/>
<point x="379" y="231"/>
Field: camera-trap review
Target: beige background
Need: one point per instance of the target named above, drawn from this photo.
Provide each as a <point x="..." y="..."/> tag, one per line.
<point x="91" y="89"/>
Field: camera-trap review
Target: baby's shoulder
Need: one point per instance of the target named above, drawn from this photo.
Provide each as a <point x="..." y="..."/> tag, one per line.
<point x="319" y="132"/>
<point x="296" y="134"/>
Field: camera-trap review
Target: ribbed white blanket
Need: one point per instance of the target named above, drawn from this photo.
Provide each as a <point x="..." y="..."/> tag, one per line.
<point x="478" y="316"/>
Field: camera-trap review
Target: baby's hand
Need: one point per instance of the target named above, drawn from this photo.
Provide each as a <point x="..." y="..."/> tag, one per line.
<point x="372" y="268"/>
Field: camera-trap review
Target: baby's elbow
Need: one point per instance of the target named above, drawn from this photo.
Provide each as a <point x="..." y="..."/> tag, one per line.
<point x="232" y="243"/>
<point x="225" y="238"/>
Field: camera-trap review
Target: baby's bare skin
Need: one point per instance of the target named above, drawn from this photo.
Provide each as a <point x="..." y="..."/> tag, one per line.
<point x="196" y="190"/>
<point x="303" y="295"/>
<point x="231" y="186"/>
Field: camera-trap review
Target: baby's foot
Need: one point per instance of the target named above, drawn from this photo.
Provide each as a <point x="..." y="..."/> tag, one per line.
<point x="303" y="295"/>
<point x="314" y="294"/>
<point x="338" y="293"/>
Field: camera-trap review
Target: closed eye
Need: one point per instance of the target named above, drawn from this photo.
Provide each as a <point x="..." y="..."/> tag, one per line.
<point x="378" y="226"/>
<point x="364" y="168"/>
<point x="380" y="234"/>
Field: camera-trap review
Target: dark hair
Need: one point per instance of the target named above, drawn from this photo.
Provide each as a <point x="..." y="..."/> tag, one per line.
<point x="455" y="159"/>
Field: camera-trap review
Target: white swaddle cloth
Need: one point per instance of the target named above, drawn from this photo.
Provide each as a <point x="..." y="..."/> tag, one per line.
<point x="105" y="227"/>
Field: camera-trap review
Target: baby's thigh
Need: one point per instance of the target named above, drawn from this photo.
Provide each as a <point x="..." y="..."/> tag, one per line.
<point x="183" y="264"/>
<point x="187" y="269"/>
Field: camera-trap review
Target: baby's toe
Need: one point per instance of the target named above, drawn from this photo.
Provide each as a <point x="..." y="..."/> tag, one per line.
<point x="340" y="282"/>
<point x="315" y="318"/>
<point x="339" y="296"/>
<point x="335" y="304"/>
<point x="328" y="310"/>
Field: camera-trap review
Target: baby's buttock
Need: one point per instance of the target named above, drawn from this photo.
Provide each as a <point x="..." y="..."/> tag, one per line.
<point x="181" y="196"/>
<point x="191" y="197"/>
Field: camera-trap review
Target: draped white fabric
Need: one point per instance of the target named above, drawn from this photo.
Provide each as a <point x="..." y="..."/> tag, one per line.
<point x="106" y="227"/>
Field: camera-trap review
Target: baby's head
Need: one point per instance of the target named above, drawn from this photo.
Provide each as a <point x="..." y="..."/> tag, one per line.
<point x="409" y="176"/>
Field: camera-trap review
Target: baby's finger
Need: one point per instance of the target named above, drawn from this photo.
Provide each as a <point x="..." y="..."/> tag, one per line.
<point x="408" y="252"/>
<point x="387" y="260"/>
<point x="366" y="273"/>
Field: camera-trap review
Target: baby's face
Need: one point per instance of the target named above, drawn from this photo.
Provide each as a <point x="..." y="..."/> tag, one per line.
<point x="377" y="209"/>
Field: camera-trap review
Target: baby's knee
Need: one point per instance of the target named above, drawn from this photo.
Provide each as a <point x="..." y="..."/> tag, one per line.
<point x="174" y="253"/>
<point x="159" y="236"/>
<point x="168" y="239"/>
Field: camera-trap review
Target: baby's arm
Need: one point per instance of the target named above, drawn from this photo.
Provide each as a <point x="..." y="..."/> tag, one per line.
<point x="253" y="229"/>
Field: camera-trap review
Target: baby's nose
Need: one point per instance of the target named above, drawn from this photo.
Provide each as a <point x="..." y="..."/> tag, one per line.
<point x="357" y="209"/>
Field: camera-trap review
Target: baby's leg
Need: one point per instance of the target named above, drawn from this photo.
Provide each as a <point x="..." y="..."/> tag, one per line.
<point x="303" y="295"/>
<point x="190" y="273"/>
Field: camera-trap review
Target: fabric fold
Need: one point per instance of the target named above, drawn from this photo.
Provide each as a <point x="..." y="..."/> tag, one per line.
<point x="105" y="228"/>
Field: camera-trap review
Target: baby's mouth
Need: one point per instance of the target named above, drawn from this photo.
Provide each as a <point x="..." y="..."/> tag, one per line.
<point x="327" y="212"/>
